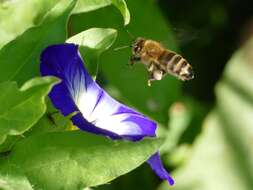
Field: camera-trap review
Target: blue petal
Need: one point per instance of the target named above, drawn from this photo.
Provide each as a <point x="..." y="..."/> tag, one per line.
<point x="52" y="63"/>
<point x="157" y="166"/>
<point x="79" y="92"/>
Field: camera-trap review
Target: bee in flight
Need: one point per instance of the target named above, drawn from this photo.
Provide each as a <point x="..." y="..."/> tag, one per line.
<point x="160" y="61"/>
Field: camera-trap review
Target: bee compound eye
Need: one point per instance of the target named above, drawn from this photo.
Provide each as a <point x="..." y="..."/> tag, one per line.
<point x="136" y="48"/>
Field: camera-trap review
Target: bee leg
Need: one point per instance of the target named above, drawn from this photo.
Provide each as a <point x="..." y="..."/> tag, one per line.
<point x="158" y="74"/>
<point x="155" y="74"/>
<point x="150" y="81"/>
<point x="133" y="59"/>
<point x="151" y="67"/>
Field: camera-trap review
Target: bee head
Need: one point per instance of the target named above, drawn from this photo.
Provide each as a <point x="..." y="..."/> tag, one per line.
<point x="137" y="46"/>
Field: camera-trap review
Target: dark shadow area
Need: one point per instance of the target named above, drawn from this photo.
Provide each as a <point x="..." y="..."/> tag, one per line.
<point x="208" y="33"/>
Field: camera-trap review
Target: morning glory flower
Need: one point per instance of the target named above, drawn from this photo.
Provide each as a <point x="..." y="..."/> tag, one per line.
<point x="96" y="111"/>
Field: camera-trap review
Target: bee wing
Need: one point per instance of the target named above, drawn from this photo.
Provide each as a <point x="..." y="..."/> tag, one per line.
<point x="183" y="35"/>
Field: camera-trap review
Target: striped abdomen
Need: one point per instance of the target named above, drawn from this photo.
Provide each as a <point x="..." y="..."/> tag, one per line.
<point x="176" y="65"/>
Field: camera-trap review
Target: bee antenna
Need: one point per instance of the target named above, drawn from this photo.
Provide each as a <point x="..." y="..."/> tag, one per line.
<point x="131" y="35"/>
<point x="122" y="47"/>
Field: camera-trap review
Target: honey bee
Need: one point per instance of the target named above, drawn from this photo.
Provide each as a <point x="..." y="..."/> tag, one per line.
<point x="160" y="61"/>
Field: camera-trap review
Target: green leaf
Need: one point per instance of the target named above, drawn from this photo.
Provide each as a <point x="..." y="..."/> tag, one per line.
<point x="222" y="157"/>
<point x="92" y="43"/>
<point x="48" y="123"/>
<point x="22" y="108"/>
<point x="122" y="6"/>
<point x="19" y="59"/>
<point x="55" y="119"/>
<point x="14" y="181"/>
<point x="17" y="16"/>
<point x="180" y="118"/>
<point x="9" y="142"/>
<point x="90" y="5"/>
<point x="74" y="160"/>
<point x="44" y="125"/>
<point x="99" y="39"/>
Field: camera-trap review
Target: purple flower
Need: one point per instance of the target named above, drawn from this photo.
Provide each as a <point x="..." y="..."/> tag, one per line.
<point x="97" y="112"/>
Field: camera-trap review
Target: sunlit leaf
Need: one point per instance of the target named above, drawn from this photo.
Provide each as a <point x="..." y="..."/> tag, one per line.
<point x="17" y="16"/>
<point x="90" y="5"/>
<point x="19" y="59"/>
<point x="122" y="6"/>
<point x="13" y="181"/>
<point x="22" y="108"/>
<point x="92" y="43"/>
<point x="74" y="160"/>
<point x="99" y="39"/>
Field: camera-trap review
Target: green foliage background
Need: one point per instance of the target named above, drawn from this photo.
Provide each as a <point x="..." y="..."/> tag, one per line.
<point x="205" y="146"/>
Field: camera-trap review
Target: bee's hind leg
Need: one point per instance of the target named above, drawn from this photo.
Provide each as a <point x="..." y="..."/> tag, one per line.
<point x="154" y="73"/>
<point x="151" y="69"/>
<point x="158" y="74"/>
<point x="150" y="79"/>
